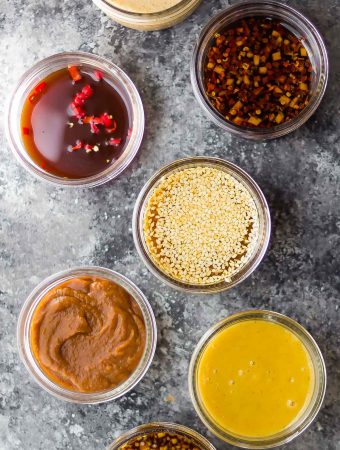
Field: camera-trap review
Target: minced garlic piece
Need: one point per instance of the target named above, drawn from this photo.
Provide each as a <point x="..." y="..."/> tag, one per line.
<point x="200" y="225"/>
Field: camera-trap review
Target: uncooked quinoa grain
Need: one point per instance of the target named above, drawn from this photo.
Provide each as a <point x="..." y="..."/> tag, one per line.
<point x="200" y="225"/>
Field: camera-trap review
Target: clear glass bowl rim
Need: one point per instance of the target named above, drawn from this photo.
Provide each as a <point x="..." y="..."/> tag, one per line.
<point x="42" y="68"/>
<point x="144" y="18"/>
<point x="257" y="7"/>
<point x="320" y="376"/>
<point x="161" y="426"/>
<point x="137" y="220"/>
<point x="32" y="366"/>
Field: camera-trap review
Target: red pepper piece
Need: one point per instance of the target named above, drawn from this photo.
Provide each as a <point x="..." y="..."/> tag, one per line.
<point x="78" y="146"/>
<point x="37" y="90"/>
<point x="97" y="120"/>
<point x="77" y="111"/>
<point x="25" y="131"/>
<point x="98" y="75"/>
<point x="113" y="128"/>
<point x="79" y="100"/>
<point x="40" y="87"/>
<point x="88" y="119"/>
<point x="75" y="74"/>
<point x="87" y="91"/>
<point x="88" y="147"/>
<point x="106" y="120"/>
<point x="115" y="141"/>
<point x="94" y="128"/>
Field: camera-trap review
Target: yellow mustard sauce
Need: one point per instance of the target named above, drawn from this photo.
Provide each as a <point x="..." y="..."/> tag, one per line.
<point x="255" y="378"/>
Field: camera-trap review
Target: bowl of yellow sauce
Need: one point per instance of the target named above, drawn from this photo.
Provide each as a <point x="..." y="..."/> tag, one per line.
<point x="257" y="379"/>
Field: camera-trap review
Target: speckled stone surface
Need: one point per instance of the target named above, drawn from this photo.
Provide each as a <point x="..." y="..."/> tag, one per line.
<point x="44" y="229"/>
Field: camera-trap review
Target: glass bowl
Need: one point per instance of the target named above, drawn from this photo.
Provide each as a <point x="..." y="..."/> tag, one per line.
<point x="316" y="398"/>
<point x="296" y="23"/>
<point x="149" y="22"/>
<point x="122" y="84"/>
<point x="24" y="345"/>
<point x="241" y="176"/>
<point x="200" y="441"/>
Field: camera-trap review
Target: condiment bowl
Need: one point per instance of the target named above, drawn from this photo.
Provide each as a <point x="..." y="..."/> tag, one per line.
<point x="241" y="176"/>
<point x="26" y="353"/>
<point x="123" y="85"/>
<point x="152" y="21"/>
<point x="316" y="398"/>
<point x="296" y="23"/>
<point x="159" y="427"/>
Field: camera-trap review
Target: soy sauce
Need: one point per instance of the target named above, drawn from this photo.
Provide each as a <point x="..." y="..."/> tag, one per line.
<point x="51" y="132"/>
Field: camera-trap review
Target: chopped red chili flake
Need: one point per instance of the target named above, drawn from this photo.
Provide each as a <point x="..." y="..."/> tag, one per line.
<point x="37" y="91"/>
<point x="257" y="73"/>
<point x="94" y="128"/>
<point x="75" y="74"/>
<point x="25" y="131"/>
<point x="79" y="99"/>
<point x="113" y="128"/>
<point x="98" y="75"/>
<point x="88" y="119"/>
<point x="114" y="141"/>
<point x="77" y="111"/>
<point x="40" y="87"/>
<point x="78" y="146"/>
<point x="106" y="120"/>
<point x="87" y="91"/>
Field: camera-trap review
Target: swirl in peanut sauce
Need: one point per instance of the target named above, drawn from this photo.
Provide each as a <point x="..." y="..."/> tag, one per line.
<point x="88" y="334"/>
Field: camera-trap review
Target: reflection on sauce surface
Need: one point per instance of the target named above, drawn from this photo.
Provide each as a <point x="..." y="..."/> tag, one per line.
<point x="255" y="378"/>
<point x="88" y="334"/>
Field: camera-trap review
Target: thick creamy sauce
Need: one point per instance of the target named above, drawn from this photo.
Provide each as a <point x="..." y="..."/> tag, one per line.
<point x="146" y="6"/>
<point x="88" y="334"/>
<point x="255" y="378"/>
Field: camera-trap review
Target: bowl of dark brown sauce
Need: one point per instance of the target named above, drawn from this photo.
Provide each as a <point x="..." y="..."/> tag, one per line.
<point x="75" y="119"/>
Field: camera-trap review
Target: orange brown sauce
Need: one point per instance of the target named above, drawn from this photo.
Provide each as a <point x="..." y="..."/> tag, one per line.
<point x="88" y="334"/>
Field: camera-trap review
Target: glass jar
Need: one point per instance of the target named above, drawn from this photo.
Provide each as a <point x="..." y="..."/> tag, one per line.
<point x="242" y="177"/>
<point x="316" y="397"/>
<point x="24" y="344"/>
<point x="122" y="84"/>
<point x="159" y="427"/>
<point x="296" y="23"/>
<point x="149" y="22"/>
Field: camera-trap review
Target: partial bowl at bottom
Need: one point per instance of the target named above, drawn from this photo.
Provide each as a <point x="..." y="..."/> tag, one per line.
<point x="160" y="427"/>
<point x="24" y="335"/>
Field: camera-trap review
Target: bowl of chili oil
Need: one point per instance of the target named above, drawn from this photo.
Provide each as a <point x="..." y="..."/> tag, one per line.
<point x="75" y="123"/>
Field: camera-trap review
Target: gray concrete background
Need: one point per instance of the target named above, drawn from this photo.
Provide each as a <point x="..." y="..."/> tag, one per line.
<point x="44" y="229"/>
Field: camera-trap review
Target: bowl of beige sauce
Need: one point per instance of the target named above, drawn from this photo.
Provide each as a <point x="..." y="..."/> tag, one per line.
<point x="147" y="15"/>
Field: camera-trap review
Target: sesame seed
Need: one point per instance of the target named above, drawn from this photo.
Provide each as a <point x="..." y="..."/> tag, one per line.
<point x="201" y="225"/>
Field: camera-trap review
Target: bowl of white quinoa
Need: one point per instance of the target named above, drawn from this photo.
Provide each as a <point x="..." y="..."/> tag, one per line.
<point x="201" y="224"/>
